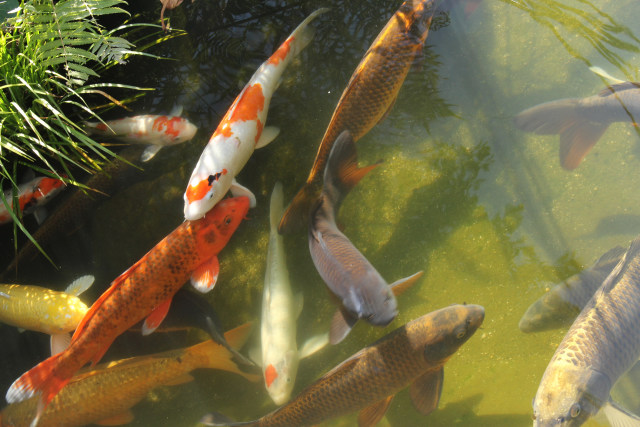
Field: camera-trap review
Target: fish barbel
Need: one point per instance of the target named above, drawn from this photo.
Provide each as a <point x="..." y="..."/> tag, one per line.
<point x="143" y="291"/>
<point x="105" y="394"/>
<point x="242" y="130"/>
<point x="602" y="344"/>
<point x="414" y="353"/>
<point x="564" y="301"/>
<point x="582" y="121"/>
<point x="369" y="95"/>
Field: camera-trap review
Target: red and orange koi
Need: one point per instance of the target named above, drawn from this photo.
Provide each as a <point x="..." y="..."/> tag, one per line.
<point x="143" y="291"/>
<point x="31" y="195"/>
<point x="242" y="130"/>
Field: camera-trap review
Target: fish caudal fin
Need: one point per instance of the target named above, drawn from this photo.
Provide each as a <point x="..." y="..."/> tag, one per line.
<point x="342" y="172"/>
<point x="38" y="380"/>
<point x="303" y="34"/>
<point x="295" y="217"/>
<point x="577" y="134"/>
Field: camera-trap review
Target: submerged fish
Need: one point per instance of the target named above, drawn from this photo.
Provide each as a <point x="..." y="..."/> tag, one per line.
<point x="31" y="195"/>
<point x="563" y="302"/>
<point x="158" y="131"/>
<point x="367" y="381"/>
<point x="280" y="355"/>
<point x="601" y="345"/>
<point x="361" y="290"/>
<point x="44" y="310"/>
<point x="241" y="130"/>
<point x="369" y="95"/>
<point x="582" y="121"/>
<point x="105" y="394"/>
<point x="143" y="291"/>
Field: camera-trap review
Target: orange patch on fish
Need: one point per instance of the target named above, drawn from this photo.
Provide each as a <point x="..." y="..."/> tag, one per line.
<point x="198" y="191"/>
<point x="282" y="52"/>
<point x="270" y="374"/>
<point x="167" y="125"/>
<point x="46" y="185"/>
<point x="101" y="126"/>
<point x="259" y="125"/>
<point x="250" y="103"/>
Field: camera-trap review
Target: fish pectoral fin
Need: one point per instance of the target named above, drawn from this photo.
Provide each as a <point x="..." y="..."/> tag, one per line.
<point x="117" y="420"/>
<point x="372" y="414"/>
<point x="269" y="133"/>
<point x="156" y="317"/>
<point x="425" y="391"/>
<point x="181" y="379"/>
<point x="341" y="325"/>
<point x="40" y="214"/>
<point x="255" y="354"/>
<point x="399" y="286"/>
<point x="298" y="303"/>
<point x="204" y="278"/>
<point x="619" y="416"/>
<point x="313" y="345"/>
<point x="238" y="190"/>
<point x="60" y="342"/>
<point x="80" y="285"/>
<point x="150" y="152"/>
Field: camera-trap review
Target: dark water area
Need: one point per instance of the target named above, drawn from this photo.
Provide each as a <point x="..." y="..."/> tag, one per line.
<point x="485" y="209"/>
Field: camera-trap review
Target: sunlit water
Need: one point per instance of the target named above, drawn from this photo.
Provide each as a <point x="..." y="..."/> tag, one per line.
<point x="482" y="207"/>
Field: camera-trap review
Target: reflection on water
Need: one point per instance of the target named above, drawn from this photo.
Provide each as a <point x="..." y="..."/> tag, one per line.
<point x="485" y="209"/>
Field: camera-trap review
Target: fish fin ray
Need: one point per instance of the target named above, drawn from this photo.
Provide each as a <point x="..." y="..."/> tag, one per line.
<point x="156" y="317"/>
<point x="269" y="133"/>
<point x="150" y="152"/>
<point x="239" y="190"/>
<point x="611" y="255"/>
<point x="619" y="416"/>
<point x="372" y="414"/>
<point x="204" y="278"/>
<point x="81" y="284"/>
<point x="341" y="325"/>
<point x="425" y="391"/>
<point x="400" y="286"/>
<point x="60" y="342"/>
<point x="313" y="345"/>
<point x="115" y="420"/>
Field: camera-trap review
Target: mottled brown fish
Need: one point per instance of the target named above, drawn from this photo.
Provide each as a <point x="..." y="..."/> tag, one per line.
<point x="105" y="394"/>
<point x="367" y="381"/>
<point x="361" y="291"/>
<point x="564" y="301"/>
<point x="602" y="344"/>
<point x="369" y="95"/>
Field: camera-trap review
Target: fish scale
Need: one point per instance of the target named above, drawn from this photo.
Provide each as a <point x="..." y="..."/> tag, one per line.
<point x="601" y="345"/>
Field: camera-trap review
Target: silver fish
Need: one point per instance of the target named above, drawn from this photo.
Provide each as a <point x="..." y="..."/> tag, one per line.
<point x="601" y="345"/>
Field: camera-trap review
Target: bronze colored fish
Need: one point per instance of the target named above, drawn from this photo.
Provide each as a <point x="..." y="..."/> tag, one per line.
<point x="105" y="394"/>
<point x="367" y="381"/>
<point x="360" y="289"/>
<point x="369" y="95"/>
<point x="601" y="345"/>
<point x="563" y="302"/>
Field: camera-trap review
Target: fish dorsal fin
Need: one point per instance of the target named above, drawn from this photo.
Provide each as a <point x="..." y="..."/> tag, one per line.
<point x="81" y="284"/>
<point x="268" y="134"/>
<point x="156" y="317"/>
<point x="400" y="286"/>
<point x="116" y="420"/>
<point x="618" y="87"/>
<point x="611" y="255"/>
<point x="372" y="414"/>
<point x="313" y="345"/>
<point x="425" y="391"/>
<point x="204" y="278"/>
<point x="619" y="416"/>
<point x="341" y="325"/>
<point x="612" y="278"/>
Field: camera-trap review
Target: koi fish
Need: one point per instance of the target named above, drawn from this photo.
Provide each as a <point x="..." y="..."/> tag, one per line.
<point x="367" y="381"/>
<point x="31" y="196"/>
<point x="44" y="310"/>
<point x="563" y="302"/>
<point x="143" y="291"/>
<point x="280" y="354"/>
<point x="602" y="344"/>
<point x="361" y="290"/>
<point x="582" y="121"/>
<point x="241" y="130"/>
<point x="105" y="394"/>
<point x="158" y="131"/>
<point x="369" y="95"/>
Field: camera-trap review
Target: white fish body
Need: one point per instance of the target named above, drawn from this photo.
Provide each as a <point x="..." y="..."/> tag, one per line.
<point x="242" y="130"/>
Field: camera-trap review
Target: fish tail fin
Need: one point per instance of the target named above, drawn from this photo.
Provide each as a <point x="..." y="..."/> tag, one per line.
<point x="296" y="215"/>
<point x="342" y="172"/>
<point x="216" y="356"/>
<point x="303" y="34"/>
<point x="39" y="379"/>
<point x="276" y="208"/>
<point x="577" y="134"/>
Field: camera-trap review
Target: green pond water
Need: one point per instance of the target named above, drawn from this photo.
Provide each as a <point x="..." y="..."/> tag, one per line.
<point x="483" y="208"/>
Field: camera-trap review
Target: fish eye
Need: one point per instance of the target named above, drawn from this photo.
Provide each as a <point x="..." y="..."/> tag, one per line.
<point x="227" y="219"/>
<point x="461" y="333"/>
<point x="575" y="410"/>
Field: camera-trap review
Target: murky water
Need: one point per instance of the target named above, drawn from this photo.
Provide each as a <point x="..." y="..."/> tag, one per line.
<point x="483" y="208"/>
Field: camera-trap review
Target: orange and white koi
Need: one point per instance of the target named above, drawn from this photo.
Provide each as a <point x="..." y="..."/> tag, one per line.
<point x="143" y="291"/>
<point x="158" y="131"/>
<point x="105" y="394"/>
<point x="44" y="310"/>
<point x="31" y="195"/>
<point x="242" y="130"/>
